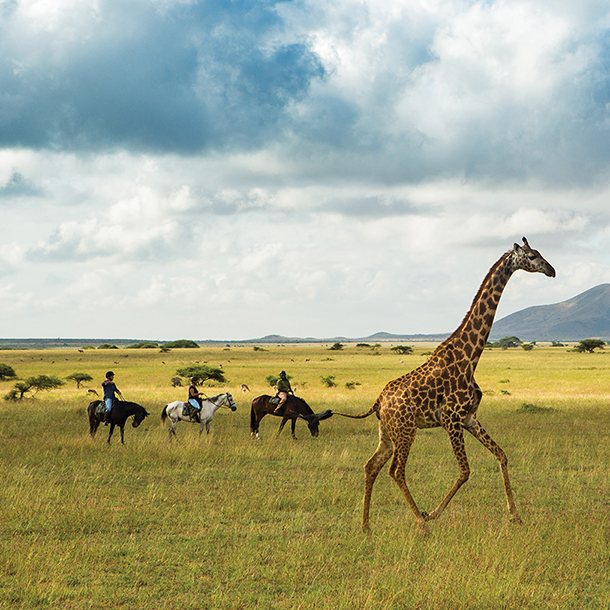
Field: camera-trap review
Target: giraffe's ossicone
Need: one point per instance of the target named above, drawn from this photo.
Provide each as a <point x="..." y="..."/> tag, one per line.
<point x="443" y="392"/>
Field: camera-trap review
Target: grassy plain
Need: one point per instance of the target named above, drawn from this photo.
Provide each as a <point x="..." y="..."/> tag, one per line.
<point x="225" y="522"/>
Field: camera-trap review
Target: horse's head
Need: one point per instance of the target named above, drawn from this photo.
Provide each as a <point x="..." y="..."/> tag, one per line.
<point x="139" y="417"/>
<point x="230" y="402"/>
<point x="313" y="421"/>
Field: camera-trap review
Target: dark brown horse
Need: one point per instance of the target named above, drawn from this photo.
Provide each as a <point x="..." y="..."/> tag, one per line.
<point x="294" y="408"/>
<point x="119" y="413"/>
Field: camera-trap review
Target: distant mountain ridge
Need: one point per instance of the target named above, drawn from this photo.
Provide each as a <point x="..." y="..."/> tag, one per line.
<point x="585" y="316"/>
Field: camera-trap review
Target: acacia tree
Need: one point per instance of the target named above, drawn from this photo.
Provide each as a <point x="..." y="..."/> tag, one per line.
<point x="202" y="373"/>
<point x="588" y="345"/>
<point x="79" y="378"/>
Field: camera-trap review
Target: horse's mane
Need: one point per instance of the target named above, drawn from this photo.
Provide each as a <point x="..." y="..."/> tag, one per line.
<point x="303" y="402"/>
<point x="477" y="296"/>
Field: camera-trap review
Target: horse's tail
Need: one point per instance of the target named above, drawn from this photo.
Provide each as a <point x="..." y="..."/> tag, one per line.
<point x="164" y="414"/>
<point x="373" y="409"/>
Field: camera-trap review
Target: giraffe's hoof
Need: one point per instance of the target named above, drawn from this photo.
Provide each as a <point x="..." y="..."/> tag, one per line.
<point x="425" y="515"/>
<point x="516" y="519"/>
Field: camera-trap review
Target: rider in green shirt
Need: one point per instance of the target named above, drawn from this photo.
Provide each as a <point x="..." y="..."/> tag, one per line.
<point x="283" y="389"/>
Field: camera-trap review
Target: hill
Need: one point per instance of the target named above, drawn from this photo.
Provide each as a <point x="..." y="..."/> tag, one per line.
<point x="584" y="316"/>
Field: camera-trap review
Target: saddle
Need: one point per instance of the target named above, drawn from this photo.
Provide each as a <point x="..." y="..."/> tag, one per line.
<point x="101" y="408"/>
<point x="275" y="400"/>
<point x="189" y="411"/>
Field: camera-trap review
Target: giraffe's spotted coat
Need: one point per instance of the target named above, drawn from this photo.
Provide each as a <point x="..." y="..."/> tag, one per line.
<point x="443" y="392"/>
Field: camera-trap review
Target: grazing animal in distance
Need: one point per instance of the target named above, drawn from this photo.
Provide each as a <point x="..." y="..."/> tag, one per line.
<point x="443" y="392"/>
<point x="294" y="408"/>
<point x="244" y="388"/>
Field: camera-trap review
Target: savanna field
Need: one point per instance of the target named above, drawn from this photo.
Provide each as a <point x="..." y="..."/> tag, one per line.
<point x="226" y="522"/>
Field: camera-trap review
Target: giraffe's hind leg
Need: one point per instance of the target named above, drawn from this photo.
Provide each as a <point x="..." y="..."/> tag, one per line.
<point x="371" y="469"/>
<point x="475" y="428"/>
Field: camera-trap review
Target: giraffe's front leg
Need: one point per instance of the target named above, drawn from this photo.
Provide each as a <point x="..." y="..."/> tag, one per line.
<point x="456" y="435"/>
<point x="475" y="428"/>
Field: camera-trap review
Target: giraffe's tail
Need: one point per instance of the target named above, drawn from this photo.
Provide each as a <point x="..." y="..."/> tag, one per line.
<point x="373" y="409"/>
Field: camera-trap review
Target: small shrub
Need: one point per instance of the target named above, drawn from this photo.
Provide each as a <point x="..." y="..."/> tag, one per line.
<point x="329" y="381"/>
<point x="6" y="372"/>
<point x="176" y="382"/>
<point x="351" y="385"/>
<point x="528" y="407"/>
<point x="336" y="347"/>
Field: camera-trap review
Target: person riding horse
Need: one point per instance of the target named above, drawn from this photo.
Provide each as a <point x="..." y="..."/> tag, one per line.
<point x="110" y="390"/>
<point x="283" y="389"/>
<point x="194" y="399"/>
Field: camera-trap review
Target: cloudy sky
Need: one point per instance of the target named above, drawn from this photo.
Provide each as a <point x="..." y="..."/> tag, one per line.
<point x="228" y="169"/>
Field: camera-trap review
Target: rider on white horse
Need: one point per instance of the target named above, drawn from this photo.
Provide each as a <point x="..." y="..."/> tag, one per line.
<point x="194" y="399"/>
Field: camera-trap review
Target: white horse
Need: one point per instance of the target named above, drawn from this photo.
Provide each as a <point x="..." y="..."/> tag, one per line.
<point x="209" y="407"/>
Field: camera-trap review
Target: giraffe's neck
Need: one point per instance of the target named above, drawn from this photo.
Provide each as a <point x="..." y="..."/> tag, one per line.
<point x="472" y="334"/>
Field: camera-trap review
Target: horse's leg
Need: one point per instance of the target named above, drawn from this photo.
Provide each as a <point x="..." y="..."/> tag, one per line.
<point x="110" y="432"/>
<point x="255" y="420"/>
<point x="122" y="429"/>
<point x="207" y="426"/>
<point x="293" y="425"/>
<point x="172" y="428"/>
<point x="282" y="424"/>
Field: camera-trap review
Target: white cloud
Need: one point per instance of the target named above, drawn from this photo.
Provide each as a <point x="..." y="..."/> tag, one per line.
<point x="308" y="168"/>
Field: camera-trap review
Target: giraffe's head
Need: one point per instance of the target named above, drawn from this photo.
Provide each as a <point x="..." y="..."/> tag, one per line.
<point x="531" y="260"/>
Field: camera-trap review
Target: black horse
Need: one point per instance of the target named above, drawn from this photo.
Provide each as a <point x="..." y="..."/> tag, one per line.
<point x="119" y="413"/>
<point x="293" y="409"/>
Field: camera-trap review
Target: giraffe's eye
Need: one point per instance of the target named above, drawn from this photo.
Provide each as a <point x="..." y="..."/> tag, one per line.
<point x="531" y="256"/>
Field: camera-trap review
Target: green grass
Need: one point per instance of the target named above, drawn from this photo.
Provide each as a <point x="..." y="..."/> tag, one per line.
<point x="227" y="522"/>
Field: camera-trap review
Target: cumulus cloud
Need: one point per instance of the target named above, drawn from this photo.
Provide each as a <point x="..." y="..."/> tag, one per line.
<point x="302" y="167"/>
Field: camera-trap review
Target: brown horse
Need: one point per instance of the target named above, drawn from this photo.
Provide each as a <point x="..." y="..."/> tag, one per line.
<point x="294" y="408"/>
<point x="121" y="410"/>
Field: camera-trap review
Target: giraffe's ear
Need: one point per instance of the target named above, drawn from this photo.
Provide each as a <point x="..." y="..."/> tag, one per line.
<point x="516" y="247"/>
<point x="525" y="242"/>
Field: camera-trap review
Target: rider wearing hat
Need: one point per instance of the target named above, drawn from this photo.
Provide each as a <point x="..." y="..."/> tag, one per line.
<point x="283" y="389"/>
<point x="110" y="390"/>
<point x="194" y="399"/>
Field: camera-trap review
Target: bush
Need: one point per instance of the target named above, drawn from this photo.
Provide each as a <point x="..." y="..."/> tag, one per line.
<point x="107" y="346"/>
<point x="507" y="342"/>
<point x="588" y="345"/>
<point x="329" y="381"/>
<point x="336" y="347"/>
<point x="202" y="373"/>
<point x="6" y="372"/>
<point x="143" y="345"/>
<point x="181" y="343"/>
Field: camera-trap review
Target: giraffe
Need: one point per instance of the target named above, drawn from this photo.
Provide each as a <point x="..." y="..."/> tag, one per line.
<point x="443" y="392"/>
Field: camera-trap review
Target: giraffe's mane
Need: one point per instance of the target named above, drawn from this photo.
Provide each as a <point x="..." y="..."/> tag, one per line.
<point x="493" y="269"/>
